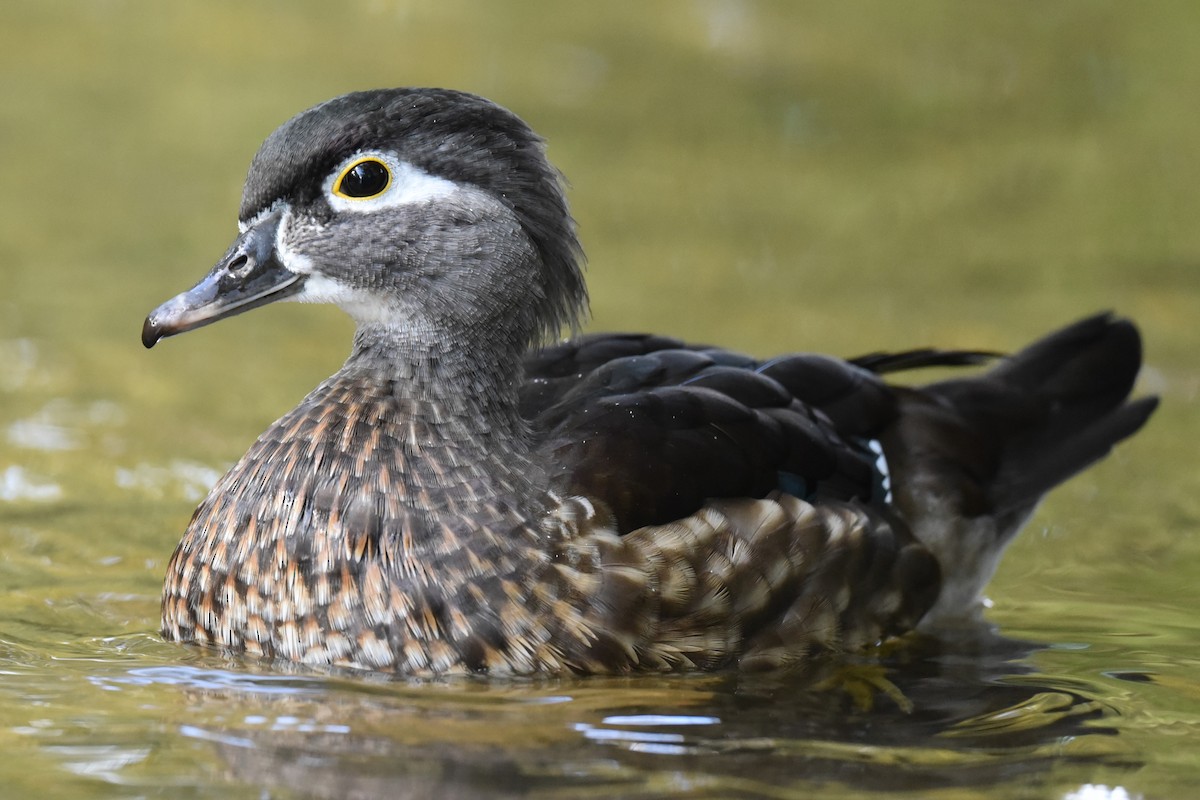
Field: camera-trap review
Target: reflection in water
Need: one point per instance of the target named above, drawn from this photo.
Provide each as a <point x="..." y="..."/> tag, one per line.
<point x="971" y="714"/>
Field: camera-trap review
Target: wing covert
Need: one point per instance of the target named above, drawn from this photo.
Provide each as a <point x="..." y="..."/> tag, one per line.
<point x="654" y="428"/>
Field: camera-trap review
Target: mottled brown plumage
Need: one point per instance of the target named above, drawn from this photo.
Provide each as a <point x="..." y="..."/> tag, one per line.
<point x="458" y="499"/>
<point x="372" y="552"/>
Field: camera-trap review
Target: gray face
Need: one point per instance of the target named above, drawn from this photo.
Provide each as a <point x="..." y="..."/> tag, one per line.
<point x="429" y="212"/>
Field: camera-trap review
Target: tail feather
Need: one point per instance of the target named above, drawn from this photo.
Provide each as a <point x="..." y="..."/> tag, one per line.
<point x="1025" y="479"/>
<point x="1053" y="409"/>
<point x="881" y="363"/>
<point x="971" y="458"/>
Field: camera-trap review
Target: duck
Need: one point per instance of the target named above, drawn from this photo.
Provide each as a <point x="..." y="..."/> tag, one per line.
<point x="472" y="494"/>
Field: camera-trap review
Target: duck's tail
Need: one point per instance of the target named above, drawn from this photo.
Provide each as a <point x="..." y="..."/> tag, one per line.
<point x="971" y="458"/>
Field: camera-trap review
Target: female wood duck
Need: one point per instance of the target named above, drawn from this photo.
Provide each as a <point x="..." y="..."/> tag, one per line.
<point x="459" y="498"/>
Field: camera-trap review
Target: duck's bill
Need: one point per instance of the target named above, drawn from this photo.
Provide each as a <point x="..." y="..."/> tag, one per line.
<point x="247" y="277"/>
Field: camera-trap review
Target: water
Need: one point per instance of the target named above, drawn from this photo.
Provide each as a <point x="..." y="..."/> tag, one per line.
<point x="767" y="176"/>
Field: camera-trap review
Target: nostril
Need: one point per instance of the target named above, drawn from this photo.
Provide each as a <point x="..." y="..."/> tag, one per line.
<point x="239" y="263"/>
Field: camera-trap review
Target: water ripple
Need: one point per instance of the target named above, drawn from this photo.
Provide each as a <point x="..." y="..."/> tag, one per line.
<point x="209" y="679"/>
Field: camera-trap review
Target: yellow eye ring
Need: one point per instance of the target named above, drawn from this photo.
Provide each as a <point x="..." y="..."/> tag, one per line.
<point x="363" y="179"/>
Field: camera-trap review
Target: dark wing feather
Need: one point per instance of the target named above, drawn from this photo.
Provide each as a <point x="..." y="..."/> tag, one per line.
<point x="559" y="369"/>
<point x="653" y="428"/>
<point x="921" y="358"/>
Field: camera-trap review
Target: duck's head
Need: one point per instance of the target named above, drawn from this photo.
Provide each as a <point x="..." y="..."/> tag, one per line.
<point x="424" y="213"/>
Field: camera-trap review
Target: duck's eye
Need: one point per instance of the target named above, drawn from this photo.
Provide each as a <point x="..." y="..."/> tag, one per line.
<point x="362" y="179"/>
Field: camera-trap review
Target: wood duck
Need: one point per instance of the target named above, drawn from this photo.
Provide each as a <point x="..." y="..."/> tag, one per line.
<point x="461" y="497"/>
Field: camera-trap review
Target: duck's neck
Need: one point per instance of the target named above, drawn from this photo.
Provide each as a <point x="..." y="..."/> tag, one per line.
<point x="453" y="410"/>
<point x="481" y="375"/>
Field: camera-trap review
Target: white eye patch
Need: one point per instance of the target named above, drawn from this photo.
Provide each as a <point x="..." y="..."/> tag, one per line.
<point x="407" y="185"/>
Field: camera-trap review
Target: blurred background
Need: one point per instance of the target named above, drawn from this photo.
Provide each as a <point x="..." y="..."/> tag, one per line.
<point x="769" y="176"/>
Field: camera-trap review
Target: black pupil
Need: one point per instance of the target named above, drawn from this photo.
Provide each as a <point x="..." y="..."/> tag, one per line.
<point x="364" y="180"/>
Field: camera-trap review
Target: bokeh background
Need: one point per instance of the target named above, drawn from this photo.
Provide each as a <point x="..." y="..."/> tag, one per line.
<point x="769" y="176"/>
